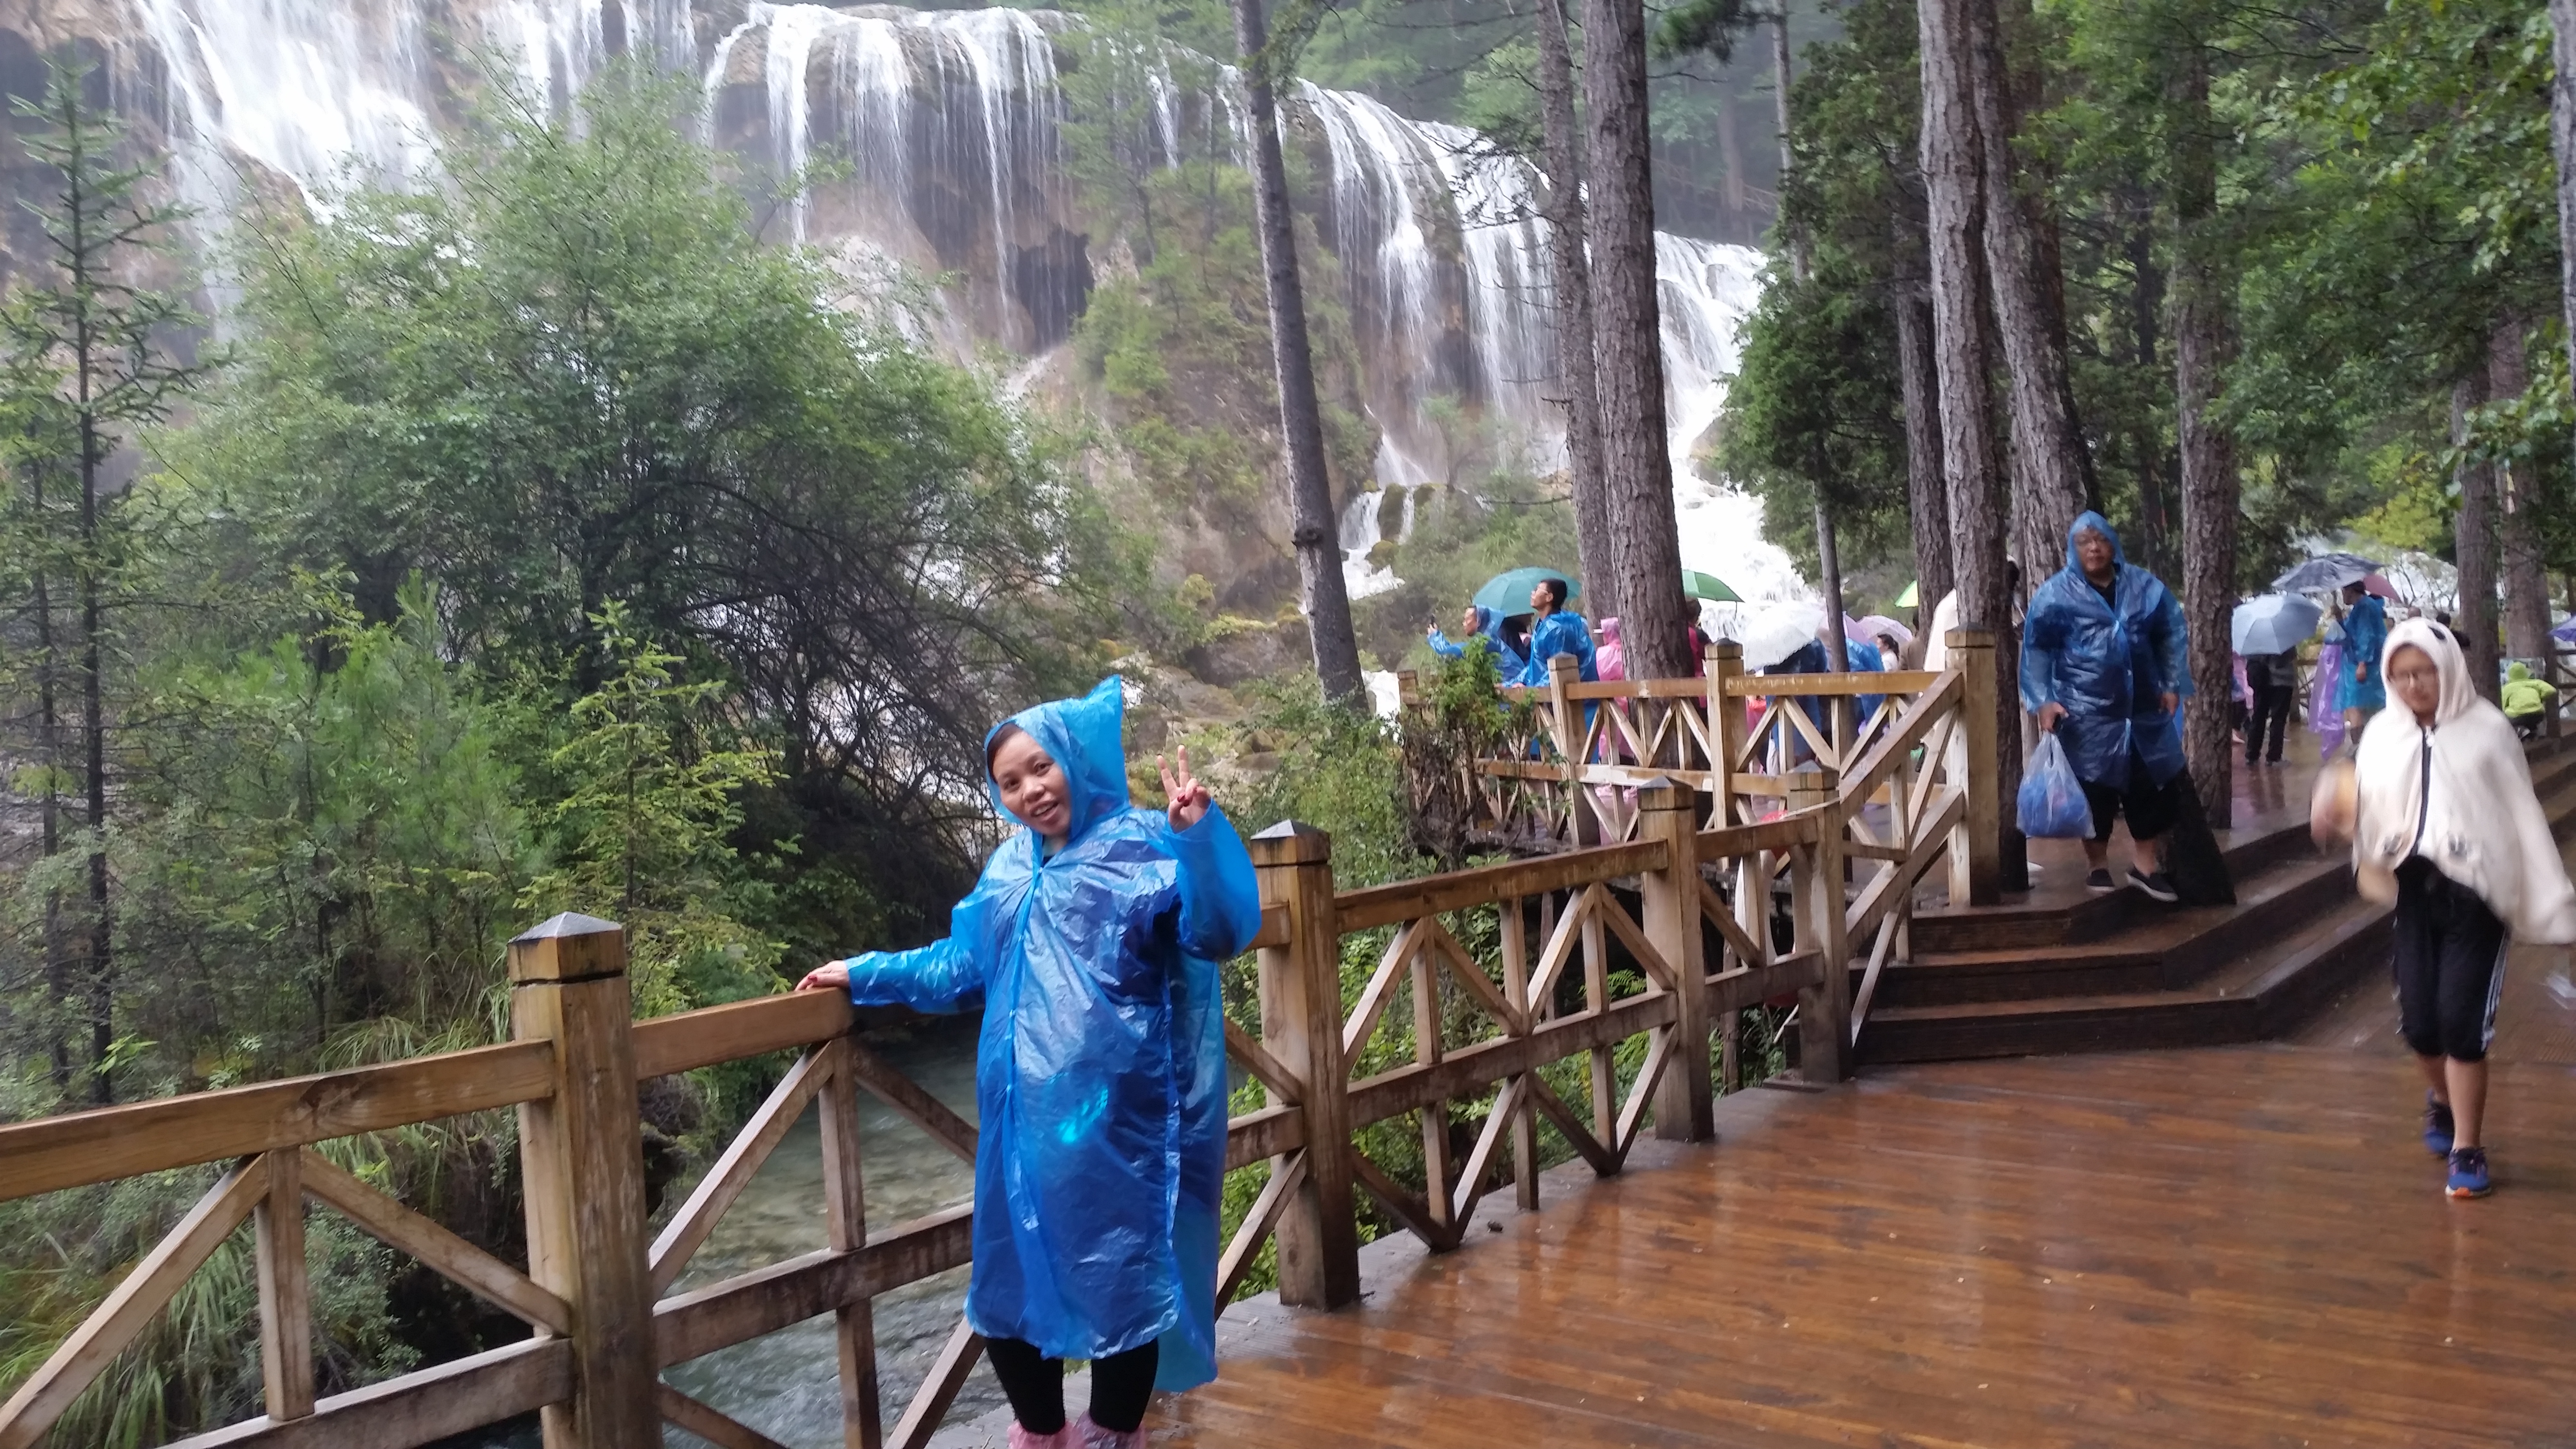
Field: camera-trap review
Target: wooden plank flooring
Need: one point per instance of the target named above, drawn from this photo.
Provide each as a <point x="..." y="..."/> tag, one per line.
<point x="2226" y="1247"/>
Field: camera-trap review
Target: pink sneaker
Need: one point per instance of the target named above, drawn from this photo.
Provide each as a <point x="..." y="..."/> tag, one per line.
<point x="1068" y="1437"/>
<point x="1095" y="1437"/>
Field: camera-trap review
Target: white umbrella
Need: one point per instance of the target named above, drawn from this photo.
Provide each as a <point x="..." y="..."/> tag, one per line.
<point x="1779" y="631"/>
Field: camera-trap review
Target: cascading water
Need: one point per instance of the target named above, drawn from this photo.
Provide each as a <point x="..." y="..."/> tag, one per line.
<point x="311" y="89"/>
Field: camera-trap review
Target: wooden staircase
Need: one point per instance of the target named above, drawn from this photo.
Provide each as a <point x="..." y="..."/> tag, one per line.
<point x="2121" y="971"/>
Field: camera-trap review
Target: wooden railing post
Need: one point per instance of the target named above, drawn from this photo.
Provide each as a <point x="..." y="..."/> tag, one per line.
<point x="1726" y="729"/>
<point x="583" y="1160"/>
<point x="1301" y="1025"/>
<point x="1824" y="1009"/>
<point x="1976" y="845"/>
<point x="1582" y="823"/>
<point x="1685" y="1105"/>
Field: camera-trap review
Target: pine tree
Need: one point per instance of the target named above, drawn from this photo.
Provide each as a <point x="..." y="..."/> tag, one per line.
<point x="105" y="340"/>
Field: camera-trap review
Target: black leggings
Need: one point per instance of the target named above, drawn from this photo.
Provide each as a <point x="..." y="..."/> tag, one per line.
<point x="1120" y="1385"/>
<point x="2450" y="964"/>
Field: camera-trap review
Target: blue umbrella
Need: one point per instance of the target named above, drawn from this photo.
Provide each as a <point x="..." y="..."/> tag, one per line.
<point x="2565" y="633"/>
<point x="1507" y="593"/>
<point x="2272" y="624"/>
<point x="2325" y="571"/>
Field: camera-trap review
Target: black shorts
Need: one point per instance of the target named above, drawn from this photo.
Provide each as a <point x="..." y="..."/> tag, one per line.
<point x="2150" y="807"/>
<point x="2450" y="964"/>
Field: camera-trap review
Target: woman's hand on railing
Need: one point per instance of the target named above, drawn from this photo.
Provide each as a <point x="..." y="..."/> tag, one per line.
<point x="830" y="976"/>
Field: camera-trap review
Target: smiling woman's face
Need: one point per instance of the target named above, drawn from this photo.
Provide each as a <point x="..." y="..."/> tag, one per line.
<point x="1032" y="788"/>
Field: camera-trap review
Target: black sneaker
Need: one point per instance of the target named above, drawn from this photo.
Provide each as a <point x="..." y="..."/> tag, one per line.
<point x="2438" y="1127"/>
<point x="2159" y="885"/>
<point x="2099" y="883"/>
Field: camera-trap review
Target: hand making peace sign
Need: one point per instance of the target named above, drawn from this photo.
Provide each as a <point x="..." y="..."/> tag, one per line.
<point x="1186" y="799"/>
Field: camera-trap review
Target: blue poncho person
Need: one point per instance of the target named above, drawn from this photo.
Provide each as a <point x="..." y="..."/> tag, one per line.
<point x="1100" y="1075"/>
<point x="1560" y="633"/>
<point x="1509" y="662"/>
<point x="2109" y="662"/>
<point x="2365" y="633"/>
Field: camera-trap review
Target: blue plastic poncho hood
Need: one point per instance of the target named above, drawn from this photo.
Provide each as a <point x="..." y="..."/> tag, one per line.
<point x="1489" y="627"/>
<point x="1100" y="1077"/>
<point x="2109" y="663"/>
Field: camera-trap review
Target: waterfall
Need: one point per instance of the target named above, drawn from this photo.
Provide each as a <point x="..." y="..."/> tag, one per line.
<point x="1360" y="532"/>
<point x="311" y="89"/>
<point x="949" y="123"/>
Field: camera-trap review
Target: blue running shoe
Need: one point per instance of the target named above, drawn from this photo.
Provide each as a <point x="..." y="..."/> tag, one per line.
<point x="2469" y="1173"/>
<point x="2438" y="1128"/>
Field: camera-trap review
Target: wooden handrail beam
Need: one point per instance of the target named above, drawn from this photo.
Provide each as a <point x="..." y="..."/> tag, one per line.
<point x="1387" y="905"/>
<point x="1804" y="686"/>
<point x="53" y="1153"/>
<point x="739" y="1029"/>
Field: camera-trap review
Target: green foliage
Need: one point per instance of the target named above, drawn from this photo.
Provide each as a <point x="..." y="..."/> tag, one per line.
<point x="1461" y="537"/>
<point x="646" y="791"/>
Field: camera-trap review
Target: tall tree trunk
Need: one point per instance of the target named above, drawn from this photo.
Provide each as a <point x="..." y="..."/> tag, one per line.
<point x="1954" y="187"/>
<point x="2562" y="141"/>
<point x="1628" y="343"/>
<point x="2146" y="310"/>
<point x="2526" y="579"/>
<point x="1323" y="594"/>
<point x="49" y="755"/>
<point x="2474" y="537"/>
<point x="1829" y="568"/>
<point x="2051" y="473"/>
<point x="102" y="955"/>
<point x="1927" y="496"/>
<point x="2204" y="337"/>
<point x="1571" y="275"/>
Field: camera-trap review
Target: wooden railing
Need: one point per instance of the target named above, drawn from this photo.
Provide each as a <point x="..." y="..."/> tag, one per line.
<point x="1896" y="783"/>
<point x="1507" y="970"/>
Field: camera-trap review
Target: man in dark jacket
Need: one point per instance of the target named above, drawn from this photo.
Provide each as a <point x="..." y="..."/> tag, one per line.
<point x="2274" y="678"/>
<point x="2103" y="664"/>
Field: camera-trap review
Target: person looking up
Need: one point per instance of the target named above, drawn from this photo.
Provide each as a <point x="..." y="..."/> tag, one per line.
<point x="2438" y="806"/>
<point x="1100" y="1073"/>
<point x="2102" y="666"/>
<point x="1553" y="631"/>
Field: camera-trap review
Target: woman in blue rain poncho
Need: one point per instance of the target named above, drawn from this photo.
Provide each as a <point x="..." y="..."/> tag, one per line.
<point x="2104" y="664"/>
<point x="1100" y="1078"/>
<point x="1481" y="624"/>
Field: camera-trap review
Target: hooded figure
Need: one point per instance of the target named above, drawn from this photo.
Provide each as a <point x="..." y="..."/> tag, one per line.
<point x="1100" y="1076"/>
<point x="2476" y="819"/>
<point x="2109" y="663"/>
<point x="2525" y="695"/>
<point x="2365" y="638"/>
<point x="1489" y="628"/>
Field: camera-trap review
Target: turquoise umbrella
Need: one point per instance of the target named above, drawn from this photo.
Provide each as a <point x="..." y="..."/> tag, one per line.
<point x="1507" y="593"/>
<point x="1911" y="599"/>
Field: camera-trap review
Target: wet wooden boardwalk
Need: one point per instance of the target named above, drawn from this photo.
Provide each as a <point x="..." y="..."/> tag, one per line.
<point x="2231" y="1246"/>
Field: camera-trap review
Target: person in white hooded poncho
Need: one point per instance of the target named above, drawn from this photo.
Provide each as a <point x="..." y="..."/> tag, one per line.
<point x="2443" y="822"/>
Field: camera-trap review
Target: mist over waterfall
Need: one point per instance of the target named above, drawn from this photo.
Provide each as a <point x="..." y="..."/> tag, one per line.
<point x="939" y="135"/>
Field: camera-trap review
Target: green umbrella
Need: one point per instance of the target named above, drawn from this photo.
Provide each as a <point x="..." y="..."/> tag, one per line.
<point x="1507" y="593"/>
<point x="1909" y="599"/>
<point x="1698" y="585"/>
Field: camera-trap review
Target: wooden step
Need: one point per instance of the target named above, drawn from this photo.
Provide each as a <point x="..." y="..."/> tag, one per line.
<point x="2297" y="940"/>
<point x="2169" y="947"/>
<point x="2261" y="996"/>
<point x="2020" y="924"/>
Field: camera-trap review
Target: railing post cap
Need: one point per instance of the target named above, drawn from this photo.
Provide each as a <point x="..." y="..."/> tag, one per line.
<point x="1564" y="664"/>
<point x="1290" y="842"/>
<point x="1663" y="793"/>
<point x="568" y="947"/>
<point x="1725" y="649"/>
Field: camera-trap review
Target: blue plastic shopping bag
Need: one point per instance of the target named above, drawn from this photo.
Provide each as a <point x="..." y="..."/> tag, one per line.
<point x="2051" y="804"/>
